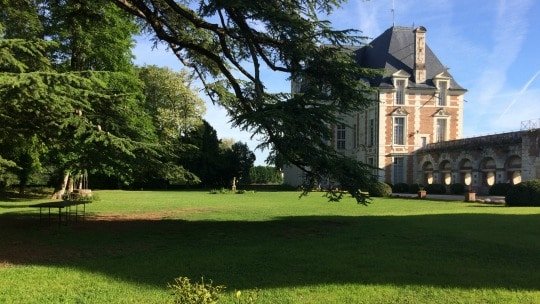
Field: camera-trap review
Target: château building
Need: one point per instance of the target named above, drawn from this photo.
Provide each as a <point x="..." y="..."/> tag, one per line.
<point x="413" y="134"/>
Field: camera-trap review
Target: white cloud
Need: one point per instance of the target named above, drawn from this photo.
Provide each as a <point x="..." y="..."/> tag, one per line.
<point x="509" y="32"/>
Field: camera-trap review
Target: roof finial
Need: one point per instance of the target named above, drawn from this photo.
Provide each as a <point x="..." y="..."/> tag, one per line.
<point x="393" y="14"/>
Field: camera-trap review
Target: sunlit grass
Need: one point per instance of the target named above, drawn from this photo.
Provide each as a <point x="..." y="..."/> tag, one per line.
<point x="294" y="250"/>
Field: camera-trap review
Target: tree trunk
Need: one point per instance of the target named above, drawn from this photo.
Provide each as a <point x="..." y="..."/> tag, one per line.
<point x="62" y="187"/>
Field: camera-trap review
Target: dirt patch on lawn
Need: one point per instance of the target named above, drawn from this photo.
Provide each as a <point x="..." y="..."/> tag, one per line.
<point x="147" y="216"/>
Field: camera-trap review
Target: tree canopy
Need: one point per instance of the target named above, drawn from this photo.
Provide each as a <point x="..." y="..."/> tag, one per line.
<point x="229" y="43"/>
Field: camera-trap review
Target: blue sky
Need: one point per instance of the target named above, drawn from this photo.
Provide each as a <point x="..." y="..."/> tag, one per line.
<point x="492" y="48"/>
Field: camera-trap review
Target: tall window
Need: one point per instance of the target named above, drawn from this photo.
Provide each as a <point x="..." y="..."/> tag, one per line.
<point x="424" y="141"/>
<point x="399" y="130"/>
<point x="440" y="131"/>
<point x="400" y="92"/>
<point x="371" y="139"/>
<point x="340" y="138"/>
<point x="355" y="136"/>
<point x="443" y="92"/>
<point x="399" y="166"/>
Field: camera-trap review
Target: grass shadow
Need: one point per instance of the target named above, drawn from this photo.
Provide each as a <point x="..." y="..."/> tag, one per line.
<point x="451" y="250"/>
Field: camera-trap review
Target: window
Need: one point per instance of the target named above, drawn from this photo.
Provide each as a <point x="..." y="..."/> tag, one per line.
<point x="371" y="140"/>
<point x="440" y="131"/>
<point x="355" y="136"/>
<point x="398" y="170"/>
<point x="340" y="138"/>
<point x="399" y="130"/>
<point x="400" y="92"/>
<point x="424" y="141"/>
<point x="443" y="90"/>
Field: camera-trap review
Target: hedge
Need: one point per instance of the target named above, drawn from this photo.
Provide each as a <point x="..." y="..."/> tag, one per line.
<point x="380" y="189"/>
<point x="524" y="194"/>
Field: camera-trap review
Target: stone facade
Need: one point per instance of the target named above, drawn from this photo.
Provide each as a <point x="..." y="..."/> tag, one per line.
<point x="413" y="131"/>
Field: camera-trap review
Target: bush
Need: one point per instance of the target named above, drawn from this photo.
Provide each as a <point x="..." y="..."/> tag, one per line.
<point x="436" y="189"/>
<point x="185" y="292"/>
<point x="500" y="189"/>
<point x="524" y="194"/>
<point x="414" y="188"/>
<point x="400" y="188"/>
<point x="457" y="188"/>
<point x="380" y="189"/>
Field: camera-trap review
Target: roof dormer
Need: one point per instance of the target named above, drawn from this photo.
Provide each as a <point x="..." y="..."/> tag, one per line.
<point x="400" y="79"/>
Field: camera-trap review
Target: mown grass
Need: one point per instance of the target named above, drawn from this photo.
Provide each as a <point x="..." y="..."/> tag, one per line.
<point x="293" y="250"/>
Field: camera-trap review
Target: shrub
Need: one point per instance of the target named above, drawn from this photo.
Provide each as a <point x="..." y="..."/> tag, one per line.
<point x="457" y="188"/>
<point x="400" y="188"/>
<point x="380" y="189"/>
<point x="436" y="189"/>
<point x="414" y="188"/>
<point x="524" y="194"/>
<point x="185" y="292"/>
<point x="500" y="189"/>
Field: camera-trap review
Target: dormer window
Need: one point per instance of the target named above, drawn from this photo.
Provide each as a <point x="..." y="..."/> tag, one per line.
<point x="443" y="93"/>
<point x="400" y="79"/>
<point x="400" y="92"/>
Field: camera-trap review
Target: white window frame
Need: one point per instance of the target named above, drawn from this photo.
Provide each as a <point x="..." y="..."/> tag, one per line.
<point x="398" y="172"/>
<point x="400" y="97"/>
<point x="437" y="130"/>
<point x="403" y="139"/>
<point x="442" y="101"/>
<point x="341" y="136"/>
<point x="371" y="135"/>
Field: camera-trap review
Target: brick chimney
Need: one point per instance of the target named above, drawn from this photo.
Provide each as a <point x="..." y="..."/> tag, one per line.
<point x="420" y="54"/>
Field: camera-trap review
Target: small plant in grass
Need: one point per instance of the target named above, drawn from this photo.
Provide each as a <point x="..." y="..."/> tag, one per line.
<point x="186" y="292"/>
<point x="221" y="191"/>
<point x="246" y="297"/>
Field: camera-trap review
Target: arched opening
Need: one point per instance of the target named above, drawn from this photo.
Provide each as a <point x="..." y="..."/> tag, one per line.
<point x="465" y="170"/>
<point x="446" y="172"/>
<point x="427" y="169"/>
<point x="488" y="168"/>
<point x="513" y="169"/>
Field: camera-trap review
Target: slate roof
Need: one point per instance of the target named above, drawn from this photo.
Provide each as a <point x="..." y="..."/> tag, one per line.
<point x="392" y="51"/>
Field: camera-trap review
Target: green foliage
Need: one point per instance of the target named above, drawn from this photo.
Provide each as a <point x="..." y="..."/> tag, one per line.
<point x="414" y="188"/>
<point x="457" y="188"/>
<point x="174" y="107"/>
<point x="400" y="188"/>
<point x="524" y="194"/>
<point x="91" y="35"/>
<point x="228" y="43"/>
<point x="380" y="189"/>
<point x="500" y="189"/>
<point x="436" y="189"/>
<point x="265" y="175"/>
<point x="21" y="19"/>
<point x="186" y="292"/>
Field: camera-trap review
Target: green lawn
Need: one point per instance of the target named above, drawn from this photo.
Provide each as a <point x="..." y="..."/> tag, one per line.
<point x="293" y="250"/>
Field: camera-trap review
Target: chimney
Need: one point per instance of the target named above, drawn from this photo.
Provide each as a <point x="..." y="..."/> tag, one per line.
<point x="420" y="54"/>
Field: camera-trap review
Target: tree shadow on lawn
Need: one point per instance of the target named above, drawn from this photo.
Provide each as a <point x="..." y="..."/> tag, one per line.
<point x="449" y="250"/>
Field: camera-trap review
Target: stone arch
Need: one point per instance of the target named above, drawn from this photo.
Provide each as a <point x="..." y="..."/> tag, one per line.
<point x="512" y="167"/>
<point x="445" y="169"/>
<point x="465" y="171"/>
<point x="487" y="169"/>
<point x="427" y="173"/>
